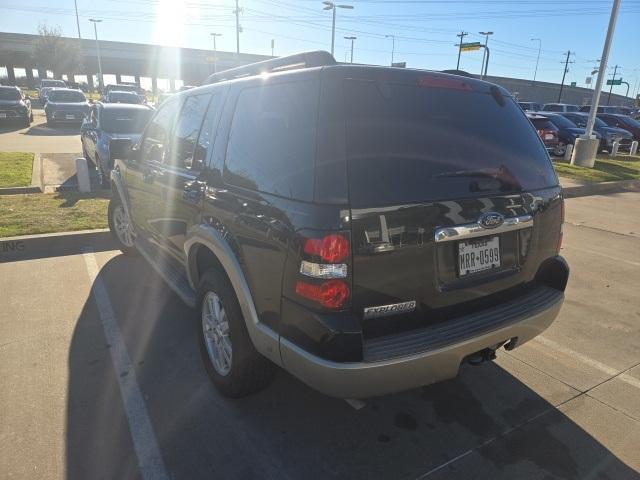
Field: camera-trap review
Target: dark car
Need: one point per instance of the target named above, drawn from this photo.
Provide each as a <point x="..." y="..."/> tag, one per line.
<point x="124" y="87"/>
<point x="367" y="229"/>
<point x="608" y="135"/>
<point x="548" y="131"/>
<point x="66" y="106"/>
<point x="15" y="106"/>
<point x="530" y="106"/>
<point x="117" y="96"/>
<point x="106" y="123"/>
<point x="622" y="121"/>
<point x="567" y="132"/>
<point x="46" y="85"/>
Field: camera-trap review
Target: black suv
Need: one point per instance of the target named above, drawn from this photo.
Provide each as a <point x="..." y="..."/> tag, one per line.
<point x="365" y="228"/>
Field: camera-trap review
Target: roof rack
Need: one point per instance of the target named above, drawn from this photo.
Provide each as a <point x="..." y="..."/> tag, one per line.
<point x="318" y="58"/>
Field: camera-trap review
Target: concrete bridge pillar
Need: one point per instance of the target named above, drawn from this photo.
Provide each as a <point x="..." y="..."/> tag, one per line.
<point x="118" y="78"/>
<point x="154" y="85"/>
<point x="11" y="75"/>
<point x="29" y="73"/>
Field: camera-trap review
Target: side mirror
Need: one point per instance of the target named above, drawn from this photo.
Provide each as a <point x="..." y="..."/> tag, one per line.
<point x="122" y="148"/>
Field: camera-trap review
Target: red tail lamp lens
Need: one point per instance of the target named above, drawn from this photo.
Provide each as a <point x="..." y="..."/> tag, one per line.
<point x="332" y="248"/>
<point x="331" y="294"/>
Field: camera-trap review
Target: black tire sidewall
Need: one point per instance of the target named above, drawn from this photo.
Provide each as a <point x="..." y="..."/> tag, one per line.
<point x="113" y="203"/>
<point x="244" y="355"/>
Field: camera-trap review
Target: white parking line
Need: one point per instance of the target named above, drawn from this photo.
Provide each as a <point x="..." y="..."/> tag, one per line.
<point x="589" y="361"/>
<point x="144" y="439"/>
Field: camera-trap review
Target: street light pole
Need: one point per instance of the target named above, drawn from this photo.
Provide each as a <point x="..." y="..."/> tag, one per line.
<point x="215" y="51"/>
<point x="75" y="3"/>
<point x="615" y="70"/>
<point x="95" y="31"/>
<point x="329" y="5"/>
<point x="352" y="40"/>
<point x="586" y="147"/>
<point x="393" y="45"/>
<point x="535" y="73"/>
<point x="484" y="55"/>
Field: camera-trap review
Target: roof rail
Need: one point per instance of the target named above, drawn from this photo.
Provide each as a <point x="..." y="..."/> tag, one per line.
<point x="316" y="58"/>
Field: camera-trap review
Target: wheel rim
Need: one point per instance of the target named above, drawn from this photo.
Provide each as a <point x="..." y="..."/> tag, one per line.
<point x="561" y="149"/>
<point x="122" y="225"/>
<point x="215" y="327"/>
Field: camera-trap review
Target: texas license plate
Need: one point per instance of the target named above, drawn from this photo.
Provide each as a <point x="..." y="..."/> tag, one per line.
<point x="478" y="255"/>
<point x="70" y="117"/>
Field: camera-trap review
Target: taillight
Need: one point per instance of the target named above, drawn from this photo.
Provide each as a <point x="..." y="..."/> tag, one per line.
<point x="331" y="248"/>
<point x="331" y="294"/>
<point x="559" y="246"/>
<point x="323" y="275"/>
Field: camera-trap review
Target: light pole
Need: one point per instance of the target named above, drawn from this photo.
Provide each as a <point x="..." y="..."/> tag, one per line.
<point x="95" y="31"/>
<point x="393" y="45"/>
<point x="352" y="40"/>
<point x="484" y="55"/>
<point x="586" y="147"/>
<point x="535" y="73"/>
<point x="215" y="51"/>
<point x="329" y="5"/>
<point x="75" y="3"/>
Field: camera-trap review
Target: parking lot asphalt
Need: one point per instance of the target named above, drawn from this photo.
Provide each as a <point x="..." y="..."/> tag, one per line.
<point x="101" y="378"/>
<point x="39" y="138"/>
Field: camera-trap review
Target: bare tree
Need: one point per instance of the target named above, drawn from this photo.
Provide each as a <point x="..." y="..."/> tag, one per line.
<point x="51" y="51"/>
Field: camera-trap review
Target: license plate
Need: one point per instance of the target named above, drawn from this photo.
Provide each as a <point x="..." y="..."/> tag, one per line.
<point x="3" y="115"/>
<point x="478" y="255"/>
<point x="69" y="117"/>
<point x="548" y="136"/>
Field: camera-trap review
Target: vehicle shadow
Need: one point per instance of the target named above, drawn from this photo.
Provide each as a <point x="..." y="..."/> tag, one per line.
<point x="289" y="430"/>
<point x="9" y="127"/>
<point x="43" y="130"/>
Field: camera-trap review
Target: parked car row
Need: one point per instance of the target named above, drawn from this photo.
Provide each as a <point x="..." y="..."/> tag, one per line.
<point x="15" y="105"/>
<point x="557" y="130"/>
<point x="567" y="107"/>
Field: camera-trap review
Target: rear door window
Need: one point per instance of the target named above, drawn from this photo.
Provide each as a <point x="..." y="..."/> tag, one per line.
<point x="272" y="143"/>
<point x="410" y="144"/>
<point x="186" y="133"/>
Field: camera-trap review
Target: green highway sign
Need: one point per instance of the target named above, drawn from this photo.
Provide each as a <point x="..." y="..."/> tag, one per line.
<point x="617" y="81"/>
<point x="470" y="46"/>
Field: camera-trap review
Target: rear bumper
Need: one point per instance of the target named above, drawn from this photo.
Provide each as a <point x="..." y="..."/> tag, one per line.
<point x="380" y="375"/>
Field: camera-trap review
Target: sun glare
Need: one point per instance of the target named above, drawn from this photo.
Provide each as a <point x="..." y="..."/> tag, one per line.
<point x="169" y="29"/>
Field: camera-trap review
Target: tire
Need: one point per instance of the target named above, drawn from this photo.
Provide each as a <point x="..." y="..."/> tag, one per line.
<point x="560" y="149"/>
<point x="117" y="214"/>
<point x="25" y="122"/>
<point x="246" y="371"/>
<point x="31" y="117"/>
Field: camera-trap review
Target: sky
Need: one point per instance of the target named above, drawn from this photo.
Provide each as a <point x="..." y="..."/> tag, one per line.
<point x="424" y="30"/>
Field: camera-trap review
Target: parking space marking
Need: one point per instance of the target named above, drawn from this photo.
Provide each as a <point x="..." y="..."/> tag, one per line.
<point x="589" y="361"/>
<point x="593" y="252"/>
<point x="144" y="440"/>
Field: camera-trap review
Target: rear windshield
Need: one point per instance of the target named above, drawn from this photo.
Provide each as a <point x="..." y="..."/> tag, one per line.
<point x="410" y="144"/>
<point x="561" y="121"/>
<point x="125" y="120"/>
<point x="70" y="97"/>
<point x="124" y="97"/>
<point x="543" y="123"/>
<point x="9" y="94"/>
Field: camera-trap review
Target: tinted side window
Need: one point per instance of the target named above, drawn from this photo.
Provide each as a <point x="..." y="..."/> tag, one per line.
<point x="272" y="143"/>
<point x="158" y="134"/>
<point x="207" y="134"/>
<point x="552" y="108"/>
<point x="186" y="133"/>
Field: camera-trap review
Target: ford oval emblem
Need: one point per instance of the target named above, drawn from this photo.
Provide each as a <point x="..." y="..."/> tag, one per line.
<point x="491" y="220"/>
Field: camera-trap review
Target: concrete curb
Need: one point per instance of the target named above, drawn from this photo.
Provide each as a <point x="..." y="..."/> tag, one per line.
<point x="601" y="188"/>
<point x="54" y="244"/>
<point x="36" y="180"/>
